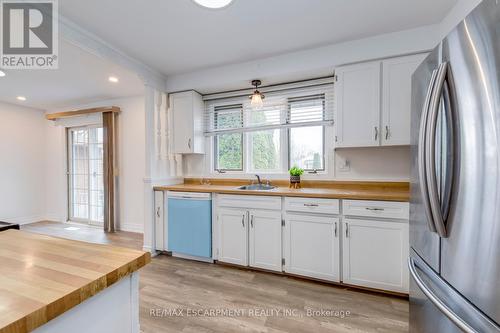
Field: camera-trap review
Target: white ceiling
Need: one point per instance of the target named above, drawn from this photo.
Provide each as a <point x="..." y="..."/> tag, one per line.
<point x="81" y="78"/>
<point x="177" y="36"/>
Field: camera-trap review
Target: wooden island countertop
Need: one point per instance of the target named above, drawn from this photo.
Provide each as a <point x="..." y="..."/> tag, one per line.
<point x="384" y="191"/>
<point x="41" y="277"/>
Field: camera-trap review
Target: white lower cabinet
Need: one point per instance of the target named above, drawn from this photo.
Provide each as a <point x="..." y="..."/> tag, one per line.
<point x="312" y="246"/>
<point x="233" y="240"/>
<point x="265" y="240"/>
<point x="365" y="246"/>
<point x="375" y="254"/>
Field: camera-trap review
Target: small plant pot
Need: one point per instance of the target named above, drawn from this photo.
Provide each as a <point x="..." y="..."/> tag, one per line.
<point x="295" y="181"/>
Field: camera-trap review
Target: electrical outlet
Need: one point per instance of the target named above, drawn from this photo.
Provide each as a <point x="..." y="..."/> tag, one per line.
<point x="344" y="165"/>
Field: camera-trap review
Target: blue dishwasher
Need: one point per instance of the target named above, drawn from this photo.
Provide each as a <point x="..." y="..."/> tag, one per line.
<point x="190" y="224"/>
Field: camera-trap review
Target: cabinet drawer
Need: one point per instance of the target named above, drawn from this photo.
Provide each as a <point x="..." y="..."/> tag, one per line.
<point x="249" y="201"/>
<point x="312" y="205"/>
<point x="383" y="209"/>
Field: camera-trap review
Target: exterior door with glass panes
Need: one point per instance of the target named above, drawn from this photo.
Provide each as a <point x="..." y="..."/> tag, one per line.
<point x="85" y="175"/>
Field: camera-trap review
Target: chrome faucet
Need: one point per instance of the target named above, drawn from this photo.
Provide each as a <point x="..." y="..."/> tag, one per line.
<point x="258" y="180"/>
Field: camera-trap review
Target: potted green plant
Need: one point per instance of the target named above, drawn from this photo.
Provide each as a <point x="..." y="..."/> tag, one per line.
<point x="295" y="173"/>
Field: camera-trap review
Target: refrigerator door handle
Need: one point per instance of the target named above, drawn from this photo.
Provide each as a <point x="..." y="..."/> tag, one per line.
<point x="421" y="153"/>
<point x="436" y="301"/>
<point x="430" y="150"/>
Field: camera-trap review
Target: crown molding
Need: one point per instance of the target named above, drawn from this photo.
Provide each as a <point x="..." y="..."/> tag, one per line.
<point x="76" y="35"/>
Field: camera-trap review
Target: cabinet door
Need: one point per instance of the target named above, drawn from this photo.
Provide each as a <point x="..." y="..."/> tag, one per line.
<point x="312" y="246"/>
<point x="265" y="240"/>
<point x="233" y="236"/>
<point x="160" y="230"/>
<point x="396" y="98"/>
<point x="181" y="105"/>
<point x="375" y="254"/>
<point x="358" y="105"/>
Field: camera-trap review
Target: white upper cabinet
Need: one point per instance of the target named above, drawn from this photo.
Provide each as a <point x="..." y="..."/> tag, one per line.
<point x="358" y="105"/>
<point x="373" y="102"/>
<point x="396" y="98"/>
<point x="187" y="122"/>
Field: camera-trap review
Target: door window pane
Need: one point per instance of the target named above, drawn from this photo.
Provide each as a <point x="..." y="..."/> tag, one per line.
<point x="86" y="175"/>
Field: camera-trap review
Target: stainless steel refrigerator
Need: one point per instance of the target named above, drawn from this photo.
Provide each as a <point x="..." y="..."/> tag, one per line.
<point x="455" y="180"/>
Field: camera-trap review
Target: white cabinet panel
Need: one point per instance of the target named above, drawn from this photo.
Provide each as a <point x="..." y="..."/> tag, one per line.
<point x="160" y="227"/>
<point x="187" y="122"/>
<point x="396" y="98"/>
<point x="312" y="246"/>
<point x="265" y="240"/>
<point x="358" y="105"/>
<point x="249" y="201"/>
<point x="375" y="254"/>
<point x="379" y="209"/>
<point x="312" y="205"/>
<point x="233" y="236"/>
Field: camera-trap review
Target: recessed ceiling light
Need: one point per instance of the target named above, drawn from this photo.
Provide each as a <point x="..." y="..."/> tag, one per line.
<point x="113" y="79"/>
<point x="21" y="98"/>
<point x="213" y="4"/>
<point x="2" y="74"/>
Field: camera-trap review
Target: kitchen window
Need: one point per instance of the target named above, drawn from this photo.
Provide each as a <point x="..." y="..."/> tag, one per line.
<point x="228" y="147"/>
<point x="290" y="129"/>
<point x="306" y="144"/>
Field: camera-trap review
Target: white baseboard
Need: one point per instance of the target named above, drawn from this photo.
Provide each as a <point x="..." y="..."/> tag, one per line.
<point x="23" y="219"/>
<point x="131" y="227"/>
<point x="55" y="218"/>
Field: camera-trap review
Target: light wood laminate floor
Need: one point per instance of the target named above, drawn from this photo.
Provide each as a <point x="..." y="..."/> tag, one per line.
<point x="184" y="296"/>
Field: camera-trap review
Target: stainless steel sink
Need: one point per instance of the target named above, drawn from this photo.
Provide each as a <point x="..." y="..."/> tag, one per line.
<point x="256" y="187"/>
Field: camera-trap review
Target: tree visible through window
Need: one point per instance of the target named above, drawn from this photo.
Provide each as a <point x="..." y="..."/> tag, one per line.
<point x="229" y="147"/>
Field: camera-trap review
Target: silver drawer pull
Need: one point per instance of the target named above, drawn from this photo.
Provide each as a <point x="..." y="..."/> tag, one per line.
<point x="374" y="209"/>
<point x="311" y="205"/>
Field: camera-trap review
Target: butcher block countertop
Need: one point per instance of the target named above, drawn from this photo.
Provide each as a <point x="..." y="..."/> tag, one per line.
<point x="41" y="277"/>
<point x="384" y="191"/>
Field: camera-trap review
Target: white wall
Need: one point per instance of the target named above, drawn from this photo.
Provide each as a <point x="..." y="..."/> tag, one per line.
<point x="365" y="163"/>
<point x="22" y="167"/>
<point x="131" y="164"/>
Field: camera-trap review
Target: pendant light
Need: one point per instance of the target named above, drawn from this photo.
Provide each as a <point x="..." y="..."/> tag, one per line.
<point x="257" y="99"/>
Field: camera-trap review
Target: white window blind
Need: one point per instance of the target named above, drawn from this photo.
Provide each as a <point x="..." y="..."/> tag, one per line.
<point x="296" y="106"/>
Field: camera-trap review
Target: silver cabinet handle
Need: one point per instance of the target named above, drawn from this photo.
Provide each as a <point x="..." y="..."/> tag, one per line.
<point x="251" y="221"/>
<point x="346" y="230"/>
<point x="422" y="174"/>
<point x="374" y="209"/>
<point x="189" y="143"/>
<point x="158" y="212"/>
<point x="376" y="133"/>
<point x="436" y="301"/>
<point x="430" y="151"/>
<point x="335" y="230"/>
<point x="243" y="220"/>
<point x="310" y="205"/>
<point x="386" y="132"/>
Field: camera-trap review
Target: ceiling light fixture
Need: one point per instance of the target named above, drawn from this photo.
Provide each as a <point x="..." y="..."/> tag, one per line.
<point x="113" y="79"/>
<point x="213" y="4"/>
<point x="257" y="99"/>
<point x="21" y="98"/>
<point x="2" y="74"/>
